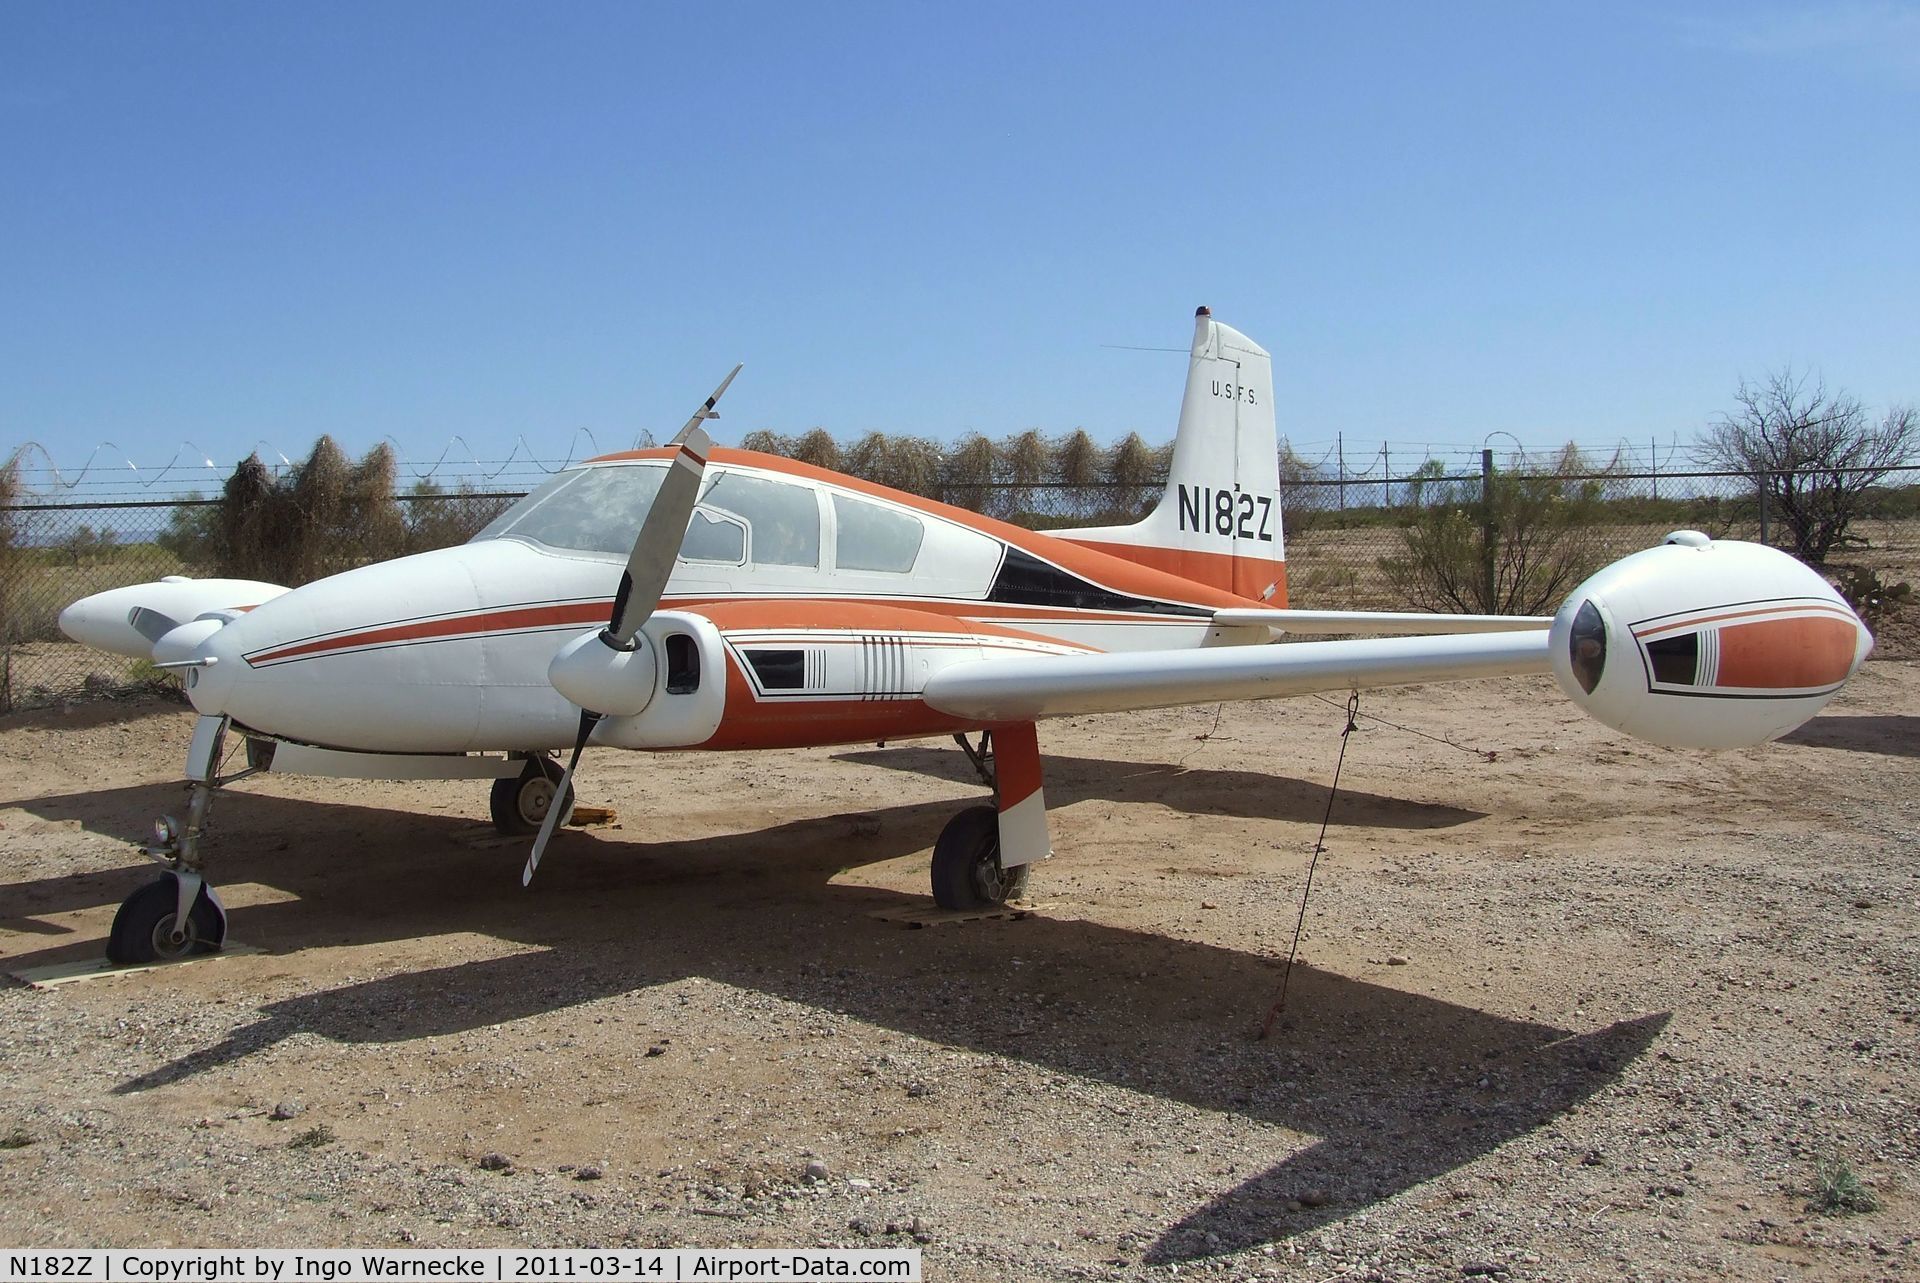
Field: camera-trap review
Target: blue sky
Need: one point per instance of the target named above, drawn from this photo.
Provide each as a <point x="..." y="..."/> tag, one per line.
<point x="242" y="222"/>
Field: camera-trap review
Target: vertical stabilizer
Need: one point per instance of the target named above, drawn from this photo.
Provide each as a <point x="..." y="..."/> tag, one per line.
<point x="1219" y="521"/>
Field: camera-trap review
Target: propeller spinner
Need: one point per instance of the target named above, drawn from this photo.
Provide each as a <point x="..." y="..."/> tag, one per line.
<point x="610" y="673"/>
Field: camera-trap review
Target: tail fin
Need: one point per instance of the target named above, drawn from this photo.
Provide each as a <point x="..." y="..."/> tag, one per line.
<point x="1219" y="521"/>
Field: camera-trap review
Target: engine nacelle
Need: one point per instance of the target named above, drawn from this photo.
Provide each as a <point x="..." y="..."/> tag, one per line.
<point x="1703" y="643"/>
<point x="669" y="691"/>
<point x="128" y="621"/>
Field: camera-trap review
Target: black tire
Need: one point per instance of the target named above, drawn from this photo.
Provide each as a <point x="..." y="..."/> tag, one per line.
<point x="143" y="929"/>
<point x="519" y="804"/>
<point x="967" y="873"/>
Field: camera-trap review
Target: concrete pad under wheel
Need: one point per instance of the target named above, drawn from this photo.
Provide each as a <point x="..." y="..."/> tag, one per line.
<point x="61" y="973"/>
<point x="915" y="918"/>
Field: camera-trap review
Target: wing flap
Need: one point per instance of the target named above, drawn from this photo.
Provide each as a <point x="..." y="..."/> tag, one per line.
<point x="1375" y="623"/>
<point x="1023" y="689"/>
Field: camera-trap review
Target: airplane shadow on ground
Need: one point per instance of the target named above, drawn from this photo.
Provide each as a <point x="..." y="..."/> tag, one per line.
<point x="1196" y="790"/>
<point x="1386" y="1082"/>
<point x="1889" y="734"/>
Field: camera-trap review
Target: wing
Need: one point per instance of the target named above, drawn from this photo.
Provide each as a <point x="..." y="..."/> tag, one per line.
<point x="1375" y="623"/>
<point x="1023" y="689"/>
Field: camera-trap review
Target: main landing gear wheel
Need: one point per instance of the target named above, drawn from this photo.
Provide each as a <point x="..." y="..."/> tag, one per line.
<point x="147" y="928"/>
<point x="520" y="804"/>
<point x="967" y="873"/>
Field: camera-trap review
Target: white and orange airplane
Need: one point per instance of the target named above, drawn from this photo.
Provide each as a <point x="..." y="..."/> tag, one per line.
<point x="764" y="603"/>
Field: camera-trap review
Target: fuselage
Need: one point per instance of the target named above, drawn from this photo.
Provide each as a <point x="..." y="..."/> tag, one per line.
<point x="805" y="608"/>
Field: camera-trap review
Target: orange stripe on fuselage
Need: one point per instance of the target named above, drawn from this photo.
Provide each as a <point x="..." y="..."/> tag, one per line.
<point x="854" y="616"/>
<point x="752" y="723"/>
<point x="493" y="621"/>
<point x="956" y="613"/>
<point x="1250" y="576"/>
<point x="1786" y="654"/>
<point x="1109" y="569"/>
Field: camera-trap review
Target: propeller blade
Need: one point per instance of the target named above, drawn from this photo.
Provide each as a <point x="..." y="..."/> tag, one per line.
<point x="659" y="540"/>
<point x="562" y="795"/>
<point x="706" y="411"/>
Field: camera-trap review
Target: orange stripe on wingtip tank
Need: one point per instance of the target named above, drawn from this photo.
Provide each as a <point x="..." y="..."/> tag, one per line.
<point x="1786" y="654"/>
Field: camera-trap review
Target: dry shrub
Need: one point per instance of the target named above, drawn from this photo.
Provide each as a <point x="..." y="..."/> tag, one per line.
<point x="767" y="441"/>
<point x="242" y="544"/>
<point x="327" y="515"/>
<point x="1136" y="472"/>
<point x="911" y="464"/>
<point x="967" y="476"/>
<point x="820" y="449"/>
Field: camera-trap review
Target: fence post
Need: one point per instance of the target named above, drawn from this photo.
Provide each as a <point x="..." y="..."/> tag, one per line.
<point x="1340" y="453"/>
<point x="1489" y="581"/>
<point x="1763" y="505"/>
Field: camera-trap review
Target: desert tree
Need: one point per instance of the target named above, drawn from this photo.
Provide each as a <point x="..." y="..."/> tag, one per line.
<point x="87" y="545"/>
<point x="1813" y="453"/>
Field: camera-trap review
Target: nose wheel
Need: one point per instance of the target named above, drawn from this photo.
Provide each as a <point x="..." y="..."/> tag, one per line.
<point x="150" y="928"/>
<point x="520" y="804"/>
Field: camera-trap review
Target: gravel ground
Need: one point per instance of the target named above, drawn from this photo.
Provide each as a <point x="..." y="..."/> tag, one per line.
<point x="1569" y="1008"/>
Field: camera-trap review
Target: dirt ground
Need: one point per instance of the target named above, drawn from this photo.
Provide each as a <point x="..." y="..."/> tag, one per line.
<point x="1571" y="1007"/>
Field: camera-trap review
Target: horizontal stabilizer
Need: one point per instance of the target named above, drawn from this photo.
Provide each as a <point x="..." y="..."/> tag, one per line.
<point x="1022" y="689"/>
<point x="1375" y="623"/>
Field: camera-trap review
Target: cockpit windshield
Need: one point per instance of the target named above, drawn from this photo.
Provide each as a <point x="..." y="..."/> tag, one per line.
<point x="598" y="509"/>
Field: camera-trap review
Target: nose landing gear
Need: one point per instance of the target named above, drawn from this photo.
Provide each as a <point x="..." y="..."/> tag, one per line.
<point x="178" y="913"/>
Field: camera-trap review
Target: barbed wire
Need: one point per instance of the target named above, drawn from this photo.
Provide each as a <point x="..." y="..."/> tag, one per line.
<point x="107" y="472"/>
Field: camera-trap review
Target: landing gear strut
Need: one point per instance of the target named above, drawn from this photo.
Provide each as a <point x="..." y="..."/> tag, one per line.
<point x="982" y="757"/>
<point x="982" y="857"/>
<point x="178" y="913"/>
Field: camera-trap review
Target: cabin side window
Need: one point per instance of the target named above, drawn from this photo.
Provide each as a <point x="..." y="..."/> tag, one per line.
<point x="784" y="519"/>
<point x="714" y="538"/>
<point x="873" y="537"/>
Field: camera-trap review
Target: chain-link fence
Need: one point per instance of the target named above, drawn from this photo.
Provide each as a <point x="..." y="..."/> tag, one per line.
<point x="1512" y="540"/>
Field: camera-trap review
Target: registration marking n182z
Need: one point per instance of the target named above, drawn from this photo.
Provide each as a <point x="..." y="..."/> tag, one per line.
<point x="1233" y="513"/>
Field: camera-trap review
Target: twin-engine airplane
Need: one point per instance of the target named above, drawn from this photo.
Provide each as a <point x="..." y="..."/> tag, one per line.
<point x="764" y="603"/>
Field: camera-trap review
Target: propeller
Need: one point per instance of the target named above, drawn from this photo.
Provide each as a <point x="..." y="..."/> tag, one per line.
<point x="598" y="670"/>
